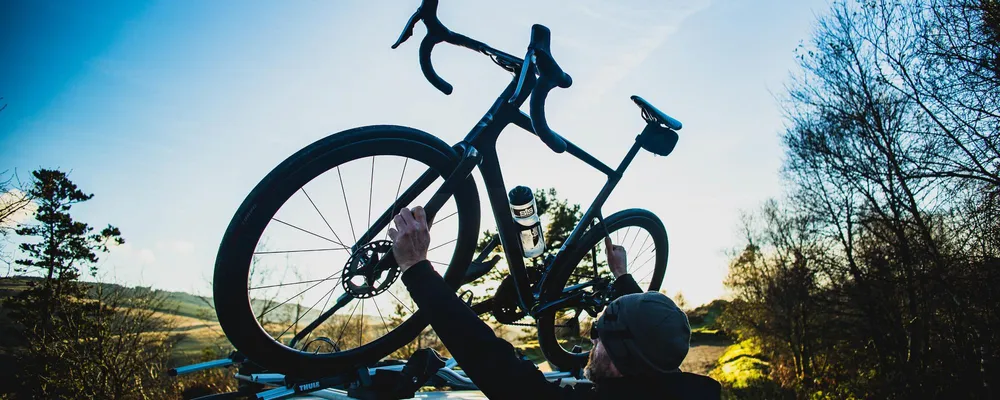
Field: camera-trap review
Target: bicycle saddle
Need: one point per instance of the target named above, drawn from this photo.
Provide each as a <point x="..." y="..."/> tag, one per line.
<point x="653" y="115"/>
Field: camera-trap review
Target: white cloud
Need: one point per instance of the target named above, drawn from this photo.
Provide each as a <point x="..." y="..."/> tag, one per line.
<point x="179" y="247"/>
<point x="129" y="255"/>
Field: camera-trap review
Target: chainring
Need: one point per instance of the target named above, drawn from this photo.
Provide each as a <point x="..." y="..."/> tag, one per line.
<point x="505" y="307"/>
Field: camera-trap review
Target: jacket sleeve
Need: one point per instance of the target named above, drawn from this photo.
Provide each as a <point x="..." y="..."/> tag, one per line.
<point x="488" y="360"/>
<point x="625" y="284"/>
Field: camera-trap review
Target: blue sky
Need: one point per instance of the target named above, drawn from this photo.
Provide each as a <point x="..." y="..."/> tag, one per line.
<point x="171" y="111"/>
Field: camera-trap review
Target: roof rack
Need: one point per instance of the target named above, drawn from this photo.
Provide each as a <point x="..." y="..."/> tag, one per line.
<point x="385" y="380"/>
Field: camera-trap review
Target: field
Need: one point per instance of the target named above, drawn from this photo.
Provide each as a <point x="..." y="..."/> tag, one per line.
<point x="200" y="337"/>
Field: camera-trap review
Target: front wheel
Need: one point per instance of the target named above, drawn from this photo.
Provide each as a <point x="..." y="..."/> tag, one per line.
<point x="564" y="333"/>
<point x="300" y="255"/>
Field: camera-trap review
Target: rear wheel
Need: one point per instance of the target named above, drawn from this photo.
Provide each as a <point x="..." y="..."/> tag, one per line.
<point x="295" y="255"/>
<point x="564" y="332"/>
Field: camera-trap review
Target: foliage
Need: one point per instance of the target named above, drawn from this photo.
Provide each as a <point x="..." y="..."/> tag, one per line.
<point x="70" y="343"/>
<point x="744" y="374"/>
<point x="62" y="244"/>
<point x="109" y="346"/>
<point x="878" y="275"/>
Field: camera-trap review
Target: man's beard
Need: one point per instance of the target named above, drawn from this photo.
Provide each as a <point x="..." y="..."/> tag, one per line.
<point x="598" y="367"/>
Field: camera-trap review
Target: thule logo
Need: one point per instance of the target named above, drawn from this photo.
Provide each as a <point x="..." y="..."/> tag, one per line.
<point x="309" y="386"/>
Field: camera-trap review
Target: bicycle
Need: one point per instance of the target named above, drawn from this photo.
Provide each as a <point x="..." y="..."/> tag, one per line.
<point x="561" y="296"/>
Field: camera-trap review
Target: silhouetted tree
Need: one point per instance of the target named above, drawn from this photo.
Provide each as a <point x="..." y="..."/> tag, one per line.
<point x="892" y="163"/>
<point x="61" y="244"/>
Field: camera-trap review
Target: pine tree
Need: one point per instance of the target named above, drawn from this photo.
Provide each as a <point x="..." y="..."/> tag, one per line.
<point x="63" y="245"/>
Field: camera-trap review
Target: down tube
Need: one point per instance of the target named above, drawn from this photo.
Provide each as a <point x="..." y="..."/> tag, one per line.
<point x="497" y="193"/>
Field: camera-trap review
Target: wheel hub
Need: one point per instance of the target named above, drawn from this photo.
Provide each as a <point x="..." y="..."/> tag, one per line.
<point x="362" y="277"/>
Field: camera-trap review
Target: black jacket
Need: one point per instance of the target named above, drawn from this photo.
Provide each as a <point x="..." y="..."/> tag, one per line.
<point x="492" y="364"/>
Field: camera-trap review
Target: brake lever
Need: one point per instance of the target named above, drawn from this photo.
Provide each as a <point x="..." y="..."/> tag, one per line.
<point x="408" y="29"/>
<point x="526" y="68"/>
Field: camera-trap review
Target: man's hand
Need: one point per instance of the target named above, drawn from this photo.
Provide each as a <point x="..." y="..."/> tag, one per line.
<point x="616" y="258"/>
<point x="411" y="237"/>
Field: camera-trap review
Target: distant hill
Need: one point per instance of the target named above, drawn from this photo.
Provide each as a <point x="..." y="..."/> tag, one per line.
<point x="176" y="303"/>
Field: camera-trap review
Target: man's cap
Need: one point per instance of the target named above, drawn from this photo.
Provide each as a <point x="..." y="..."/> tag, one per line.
<point x="645" y="333"/>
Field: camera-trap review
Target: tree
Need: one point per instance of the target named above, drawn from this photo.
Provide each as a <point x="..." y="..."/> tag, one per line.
<point x="62" y="245"/>
<point x="70" y="341"/>
<point x="890" y="227"/>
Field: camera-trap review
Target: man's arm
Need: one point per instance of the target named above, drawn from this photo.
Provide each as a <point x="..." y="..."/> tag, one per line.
<point x="624" y="282"/>
<point x="488" y="360"/>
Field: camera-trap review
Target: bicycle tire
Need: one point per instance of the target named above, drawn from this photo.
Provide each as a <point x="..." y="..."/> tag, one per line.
<point x="230" y="286"/>
<point x="553" y="289"/>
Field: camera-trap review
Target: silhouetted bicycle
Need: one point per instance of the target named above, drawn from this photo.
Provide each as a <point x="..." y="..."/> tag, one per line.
<point x="281" y="252"/>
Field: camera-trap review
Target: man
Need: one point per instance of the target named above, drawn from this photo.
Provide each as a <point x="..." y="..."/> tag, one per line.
<point x="639" y="340"/>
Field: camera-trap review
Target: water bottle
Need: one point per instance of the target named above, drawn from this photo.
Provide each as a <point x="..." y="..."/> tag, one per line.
<point x="522" y="207"/>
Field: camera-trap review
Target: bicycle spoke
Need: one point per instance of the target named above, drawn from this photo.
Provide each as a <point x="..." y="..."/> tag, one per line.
<point x="443" y="244"/>
<point x="300" y="250"/>
<point x="651" y="245"/>
<point x="371" y="187"/>
<point x="294" y="283"/>
<point x="384" y="325"/>
<point x="641" y="246"/>
<point x="398" y="186"/>
<point x="633" y="239"/>
<point x="348" y="206"/>
<point x="446" y="217"/>
<point x="297" y="295"/>
<point x="400" y="301"/>
<point x="361" y="329"/>
<point x="438" y="263"/>
<point x="328" y="293"/>
<point x="309" y="232"/>
<point x="344" y="328"/>
<point x="627" y="231"/>
<point x="303" y="189"/>
<point x="327" y="302"/>
<point x="647" y="262"/>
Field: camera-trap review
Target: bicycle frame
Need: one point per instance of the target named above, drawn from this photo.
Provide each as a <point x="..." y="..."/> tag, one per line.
<point x="479" y="148"/>
<point x="483" y="138"/>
